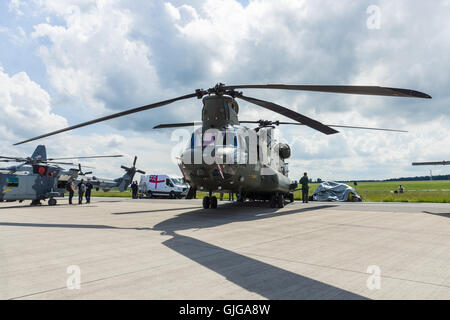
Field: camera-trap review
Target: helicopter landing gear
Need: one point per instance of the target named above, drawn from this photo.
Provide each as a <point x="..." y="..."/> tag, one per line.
<point x="273" y="201"/>
<point x="291" y="197"/>
<point x="277" y="200"/>
<point x="206" y="202"/>
<point x="210" y="202"/>
<point x="213" y="203"/>
<point x="280" y="201"/>
<point x="52" y="202"/>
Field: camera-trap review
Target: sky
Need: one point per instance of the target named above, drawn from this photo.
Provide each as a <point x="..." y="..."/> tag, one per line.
<point x="68" y="61"/>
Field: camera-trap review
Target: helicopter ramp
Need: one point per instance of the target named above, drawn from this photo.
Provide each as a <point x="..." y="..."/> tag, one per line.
<point x="174" y="249"/>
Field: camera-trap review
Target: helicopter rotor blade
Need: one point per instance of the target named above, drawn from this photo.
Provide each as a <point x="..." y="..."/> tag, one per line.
<point x="134" y="162"/>
<point x="57" y="162"/>
<point x="177" y="125"/>
<point x="290" y="114"/>
<point x="329" y="125"/>
<point x="16" y="159"/>
<point x="112" y="116"/>
<point x="438" y="163"/>
<point x="140" y="171"/>
<point x="364" y="90"/>
<point x="91" y="157"/>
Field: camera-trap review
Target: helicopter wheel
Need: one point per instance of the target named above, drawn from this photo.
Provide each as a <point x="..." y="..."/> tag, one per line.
<point x="280" y="201"/>
<point x="213" y="203"/>
<point x="273" y="201"/>
<point x="206" y="202"/>
<point x="291" y="197"/>
<point x="52" y="202"/>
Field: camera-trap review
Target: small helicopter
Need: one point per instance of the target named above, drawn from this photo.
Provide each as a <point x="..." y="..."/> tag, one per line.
<point x="121" y="183"/>
<point x="255" y="166"/>
<point x="37" y="177"/>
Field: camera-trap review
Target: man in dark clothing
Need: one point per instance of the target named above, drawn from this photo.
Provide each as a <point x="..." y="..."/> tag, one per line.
<point x="134" y="189"/>
<point x="89" y="187"/>
<point x="71" y="190"/>
<point x="81" y="190"/>
<point x="305" y="188"/>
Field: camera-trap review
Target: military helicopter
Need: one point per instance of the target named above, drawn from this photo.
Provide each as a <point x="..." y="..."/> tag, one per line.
<point x="254" y="171"/>
<point x="121" y="183"/>
<point x="37" y="178"/>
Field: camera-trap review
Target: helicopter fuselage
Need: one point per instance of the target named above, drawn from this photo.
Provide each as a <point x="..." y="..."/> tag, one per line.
<point x="36" y="182"/>
<point x="224" y="156"/>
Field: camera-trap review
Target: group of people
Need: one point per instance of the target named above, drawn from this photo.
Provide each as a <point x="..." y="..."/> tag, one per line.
<point x="84" y="190"/>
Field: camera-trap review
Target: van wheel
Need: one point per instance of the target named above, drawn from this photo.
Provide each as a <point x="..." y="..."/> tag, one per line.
<point x="172" y="195"/>
<point x="149" y="194"/>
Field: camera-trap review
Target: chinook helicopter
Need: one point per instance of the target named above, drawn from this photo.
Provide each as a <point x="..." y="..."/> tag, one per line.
<point x="37" y="178"/>
<point x="252" y="168"/>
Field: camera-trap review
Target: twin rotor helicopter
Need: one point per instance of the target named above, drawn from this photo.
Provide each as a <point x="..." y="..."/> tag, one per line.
<point x="237" y="159"/>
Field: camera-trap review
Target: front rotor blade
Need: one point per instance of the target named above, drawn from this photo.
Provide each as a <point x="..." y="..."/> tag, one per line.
<point x="92" y="157"/>
<point x="290" y="114"/>
<point x="116" y="115"/>
<point x="365" y="90"/>
<point x="441" y="163"/>
<point x="177" y="125"/>
<point x="350" y="127"/>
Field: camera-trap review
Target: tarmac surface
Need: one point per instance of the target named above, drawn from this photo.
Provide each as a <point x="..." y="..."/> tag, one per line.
<point x="117" y="248"/>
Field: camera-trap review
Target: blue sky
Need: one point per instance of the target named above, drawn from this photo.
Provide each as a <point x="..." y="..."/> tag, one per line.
<point x="68" y="61"/>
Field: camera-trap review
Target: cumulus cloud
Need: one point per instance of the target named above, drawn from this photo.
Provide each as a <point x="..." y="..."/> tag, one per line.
<point x="109" y="55"/>
<point x="25" y="106"/>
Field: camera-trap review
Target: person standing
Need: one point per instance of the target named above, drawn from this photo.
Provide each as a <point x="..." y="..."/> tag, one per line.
<point x="81" y="190"/>
<point x="134" y="189"/>
<point x="305" y="188"/>
<point x="89" y="187"/>
<point x="71" y="190"/>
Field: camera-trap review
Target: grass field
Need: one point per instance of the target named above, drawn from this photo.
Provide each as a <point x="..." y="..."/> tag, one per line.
<point x="415" y="191"/>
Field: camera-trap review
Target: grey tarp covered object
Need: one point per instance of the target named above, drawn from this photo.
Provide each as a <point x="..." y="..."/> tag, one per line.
<point x="334" y="191"/>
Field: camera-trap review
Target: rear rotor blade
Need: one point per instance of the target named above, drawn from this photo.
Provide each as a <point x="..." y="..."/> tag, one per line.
<point x="115" y="115"/>
<point x="290" y="114"/>
<point x="441" y="163"/>
<point x="177" y="125"/>
<point x="365" y="90"/>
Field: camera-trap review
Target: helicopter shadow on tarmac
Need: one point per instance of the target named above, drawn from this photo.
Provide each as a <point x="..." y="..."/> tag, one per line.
<point x="445" y="215"/>
<point x="266" y="280"/>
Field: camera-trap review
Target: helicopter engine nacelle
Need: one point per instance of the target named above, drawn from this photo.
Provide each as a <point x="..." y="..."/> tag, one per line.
<point x="284" y="150"/>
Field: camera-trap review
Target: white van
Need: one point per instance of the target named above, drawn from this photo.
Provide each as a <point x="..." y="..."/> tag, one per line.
<point x="162" y="185"/>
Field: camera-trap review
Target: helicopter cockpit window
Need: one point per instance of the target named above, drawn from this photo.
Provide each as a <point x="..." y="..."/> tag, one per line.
<point x="12" y="182"/>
